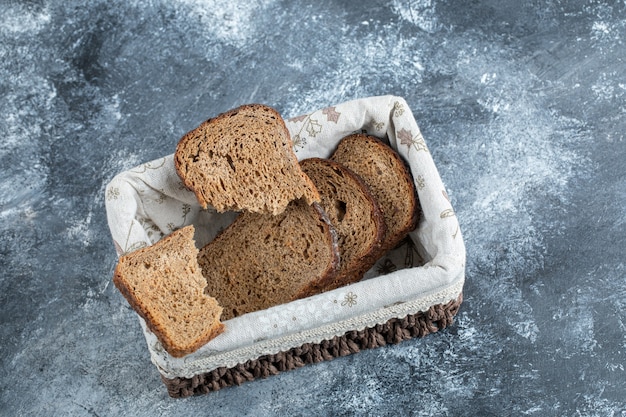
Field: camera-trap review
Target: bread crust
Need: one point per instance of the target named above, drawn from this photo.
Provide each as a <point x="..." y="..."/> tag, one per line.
<point x="361" y="264"/>
<point x="326" y="278"/>
<point x="403" y="174"/>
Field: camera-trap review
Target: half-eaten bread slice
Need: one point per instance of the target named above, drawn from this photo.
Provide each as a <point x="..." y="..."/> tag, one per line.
<point x="164" y="285"/>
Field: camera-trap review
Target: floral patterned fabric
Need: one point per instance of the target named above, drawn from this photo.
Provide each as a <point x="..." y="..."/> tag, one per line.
<point x="148" y="202"/>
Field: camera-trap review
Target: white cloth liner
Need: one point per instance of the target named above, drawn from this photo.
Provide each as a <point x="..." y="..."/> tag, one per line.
<point x="148" y="202"/>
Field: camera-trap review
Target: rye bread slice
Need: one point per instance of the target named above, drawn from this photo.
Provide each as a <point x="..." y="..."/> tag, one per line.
<point x="164" y="285"/>
<point x="263" y="260"/>
<point x="388" y="179"/>
<point x="354" y="213"/>
<point x="243" y="159"/>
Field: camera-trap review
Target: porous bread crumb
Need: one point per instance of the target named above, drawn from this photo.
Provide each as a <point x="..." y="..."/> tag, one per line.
<point x="243" y="160"/>
<point x="263" y="260"/>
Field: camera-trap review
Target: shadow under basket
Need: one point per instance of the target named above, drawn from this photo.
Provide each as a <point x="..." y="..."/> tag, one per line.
<point x="394" y="331"/>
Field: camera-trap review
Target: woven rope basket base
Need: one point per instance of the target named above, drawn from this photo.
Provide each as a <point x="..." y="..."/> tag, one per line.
<point x="394" y="331"/>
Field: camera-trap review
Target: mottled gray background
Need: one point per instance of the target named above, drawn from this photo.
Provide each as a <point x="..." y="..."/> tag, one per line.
<point x="522" y="105"/>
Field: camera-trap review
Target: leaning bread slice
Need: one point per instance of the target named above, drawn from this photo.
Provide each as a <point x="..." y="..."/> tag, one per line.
<point x="354" y="213"/>
<point x="163" y="283"/>
<point x="262" y="260"/>
<point x="243" y="160"/>
<point x="387" y="177"/>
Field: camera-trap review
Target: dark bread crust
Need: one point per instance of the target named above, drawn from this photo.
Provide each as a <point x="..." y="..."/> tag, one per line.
<point x="138" y="304"/>
<point x="342" y="183"/>
<point x="354" y="143"/>
<point x="243" y="159"/>
<point x="327" y="277"/>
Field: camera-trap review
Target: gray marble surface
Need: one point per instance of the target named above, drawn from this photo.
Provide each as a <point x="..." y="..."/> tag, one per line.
<point x="521" y="103"/>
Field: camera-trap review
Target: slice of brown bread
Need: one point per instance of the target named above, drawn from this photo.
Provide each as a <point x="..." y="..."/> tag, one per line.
<point x="163" y="283"/>
<point x="389" y="180"/>
<point x="262" y="260"/>
<point x="354" y="213"/>
<point x="243" y="160"/>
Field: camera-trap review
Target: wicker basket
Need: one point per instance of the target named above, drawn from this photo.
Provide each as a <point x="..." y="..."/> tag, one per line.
<point x="414" y="290"/>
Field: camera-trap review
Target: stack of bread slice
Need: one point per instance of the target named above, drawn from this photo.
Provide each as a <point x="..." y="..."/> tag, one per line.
<point x="302" y="228"/>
